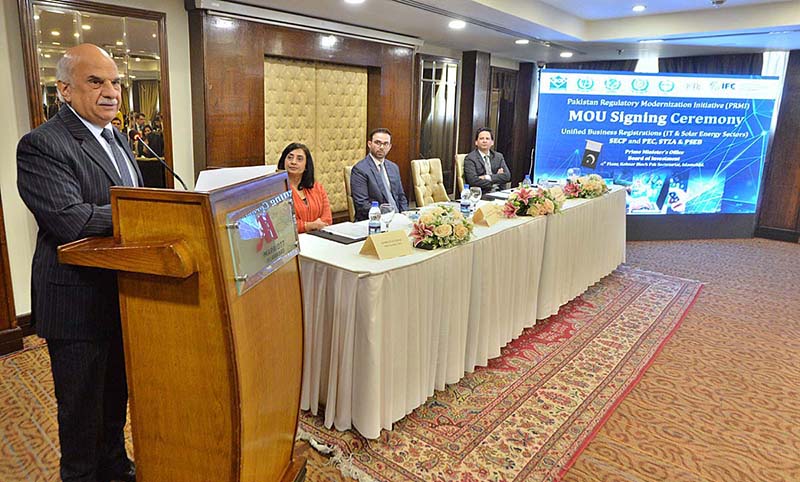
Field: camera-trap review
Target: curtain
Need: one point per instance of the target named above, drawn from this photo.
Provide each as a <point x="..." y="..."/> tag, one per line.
<point x="124" y="108"/>
<point x="148" y="97"/>
<point x="610" y="65"/>
<point x="733" y="64"/>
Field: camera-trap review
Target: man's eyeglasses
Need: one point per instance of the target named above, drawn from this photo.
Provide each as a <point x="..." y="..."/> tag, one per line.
<point x="382" y="144"/>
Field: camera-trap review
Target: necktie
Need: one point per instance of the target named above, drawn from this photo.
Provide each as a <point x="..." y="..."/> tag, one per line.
<point x="119" y="158"/>
<point x="488" y="165"/>
<point x="387" y="188"/>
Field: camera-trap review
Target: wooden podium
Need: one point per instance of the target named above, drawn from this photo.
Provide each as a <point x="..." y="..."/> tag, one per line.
<point x="212" y="324"/>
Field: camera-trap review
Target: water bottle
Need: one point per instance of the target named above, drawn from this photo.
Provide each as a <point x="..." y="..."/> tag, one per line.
<point x="374" y="219"/>
<point x="466" y="205"/>
<point x="527" y="181"/>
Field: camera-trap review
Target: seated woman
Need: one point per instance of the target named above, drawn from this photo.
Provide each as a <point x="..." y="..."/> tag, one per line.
<point x="310" y="199"/>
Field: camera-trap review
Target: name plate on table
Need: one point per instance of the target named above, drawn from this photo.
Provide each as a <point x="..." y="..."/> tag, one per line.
<point x="262" y="238"/>
<point x="487" y="214"/>
<point x="392" y="244"/>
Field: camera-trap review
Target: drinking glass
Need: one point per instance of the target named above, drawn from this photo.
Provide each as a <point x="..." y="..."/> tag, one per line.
<point x="475" y="194"/>
<point x="387" y="213"/>
<point x="573" y="173"/>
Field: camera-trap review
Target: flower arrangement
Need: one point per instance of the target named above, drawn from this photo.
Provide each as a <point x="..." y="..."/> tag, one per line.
<point x="531" y="202"/>
<point x="441" y="227"/>
<point x="586" y="187"/>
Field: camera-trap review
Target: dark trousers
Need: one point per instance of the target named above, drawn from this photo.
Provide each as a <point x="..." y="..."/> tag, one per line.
<point x="92" y="398"/>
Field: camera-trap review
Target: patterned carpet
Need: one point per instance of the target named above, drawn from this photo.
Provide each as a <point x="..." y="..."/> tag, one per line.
<point x="530" y="411"/>
<point x="720" y="402"/>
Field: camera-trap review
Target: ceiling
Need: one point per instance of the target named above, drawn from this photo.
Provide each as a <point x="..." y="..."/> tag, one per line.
<point x="596" y="30"/>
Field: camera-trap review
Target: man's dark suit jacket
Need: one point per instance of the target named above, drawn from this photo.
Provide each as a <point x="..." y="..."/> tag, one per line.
<point x="64" y="176"/>
<point x="366" y="185"/>
<point x="474" y="167"/>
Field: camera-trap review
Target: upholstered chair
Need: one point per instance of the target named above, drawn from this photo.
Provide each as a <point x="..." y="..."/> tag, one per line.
<point x="459" y="174"/>
<point x="426" y="175"/>
<point x="350" y="207"/>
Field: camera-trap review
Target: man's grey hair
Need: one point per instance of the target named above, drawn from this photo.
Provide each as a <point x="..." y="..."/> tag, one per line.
<point x="64" y="68"/>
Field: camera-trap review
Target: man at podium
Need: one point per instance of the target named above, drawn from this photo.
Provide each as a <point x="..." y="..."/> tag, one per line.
<point x="65" y="169"/>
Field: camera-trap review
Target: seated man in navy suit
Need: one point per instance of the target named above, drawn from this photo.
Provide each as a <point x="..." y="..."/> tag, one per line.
<point x="376" y="178"/>
<point x="484" y="167"/>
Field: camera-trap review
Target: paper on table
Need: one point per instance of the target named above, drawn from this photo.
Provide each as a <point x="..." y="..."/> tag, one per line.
<point x="500" y="194"/>
<point x="348" y="230"/>
<point x="211" y="179"/>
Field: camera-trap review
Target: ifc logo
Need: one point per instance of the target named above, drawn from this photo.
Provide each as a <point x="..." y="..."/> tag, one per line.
<point x="585" y="84"/>
<point x="666" y="86"/>
<point x="558" y="83"/>
<point x="640" y="85"/>
<point x="612" y="84"/>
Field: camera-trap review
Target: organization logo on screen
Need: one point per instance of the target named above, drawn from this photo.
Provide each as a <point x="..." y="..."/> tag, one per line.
<point x="612" y="85"/>
<point x="640" y="85"/>
<point x="558" y="82"/>
<point x="585" y="84"/>
<point x="717" y="85"/>
<point x="666" y="86"/>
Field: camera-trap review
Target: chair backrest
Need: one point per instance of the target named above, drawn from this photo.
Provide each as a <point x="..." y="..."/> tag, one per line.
<point x="350" y="207"/>
<point x="459" y="174"/>
<point x="428" y="181"/>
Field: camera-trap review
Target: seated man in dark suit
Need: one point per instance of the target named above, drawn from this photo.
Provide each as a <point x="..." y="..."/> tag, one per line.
<point x="376" y="178"/>
<point x="65" y="168"/>
<point x="484" y="167"/>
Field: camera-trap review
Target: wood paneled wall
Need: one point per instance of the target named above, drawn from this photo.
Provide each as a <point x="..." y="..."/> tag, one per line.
<point x="475" y="89"/>
<point x="10" y="333"/>
<point x="524" y="123"/>
<point x="227" y="63"/>
<point x="779" y="215"/>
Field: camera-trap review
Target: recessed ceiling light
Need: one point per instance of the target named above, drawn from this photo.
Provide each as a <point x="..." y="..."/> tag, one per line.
<point x="154" y="35"/>
<point x="76" y="35"/>
<point x="328" y="41"/>
<point x="639" y="8"/>
<point x="55" y="33"/>
<point x="651" y="41"/>
<point x="353" y="2"/>
<point x="565" y="55"/>
<point x="457" y="24"/>
<point x="86" y="26"/>
<point x="522" y="41"/>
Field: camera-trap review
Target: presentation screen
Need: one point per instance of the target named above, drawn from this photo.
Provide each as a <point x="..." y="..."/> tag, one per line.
<point x="678" y="143"/>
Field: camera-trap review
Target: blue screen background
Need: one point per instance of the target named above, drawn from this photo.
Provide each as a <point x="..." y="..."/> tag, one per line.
<point x="709" y="168"/>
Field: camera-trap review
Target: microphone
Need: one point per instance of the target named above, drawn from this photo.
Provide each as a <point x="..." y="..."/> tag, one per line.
<point x="138" y="137"/>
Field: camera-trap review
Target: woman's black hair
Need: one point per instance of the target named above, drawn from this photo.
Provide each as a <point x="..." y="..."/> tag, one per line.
<point x="307" y="181"/>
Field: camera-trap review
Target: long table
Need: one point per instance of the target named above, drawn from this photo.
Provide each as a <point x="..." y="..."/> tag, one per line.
<point x="381" y="336"/>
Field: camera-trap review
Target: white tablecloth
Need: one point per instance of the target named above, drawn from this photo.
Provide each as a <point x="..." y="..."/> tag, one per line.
<point x="380" y="336"/>
<point x="584" y="243"/>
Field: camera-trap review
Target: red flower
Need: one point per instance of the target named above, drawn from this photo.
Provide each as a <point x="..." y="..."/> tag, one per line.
<point x="524" y="194"/>
<point x="509" y="209"/>
<point x="572" y="189"/>
<point x="419" y="232"/>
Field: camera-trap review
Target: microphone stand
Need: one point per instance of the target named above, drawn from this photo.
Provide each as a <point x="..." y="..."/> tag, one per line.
<point x="530" y="170"/>
<point x="166" y="166"/>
